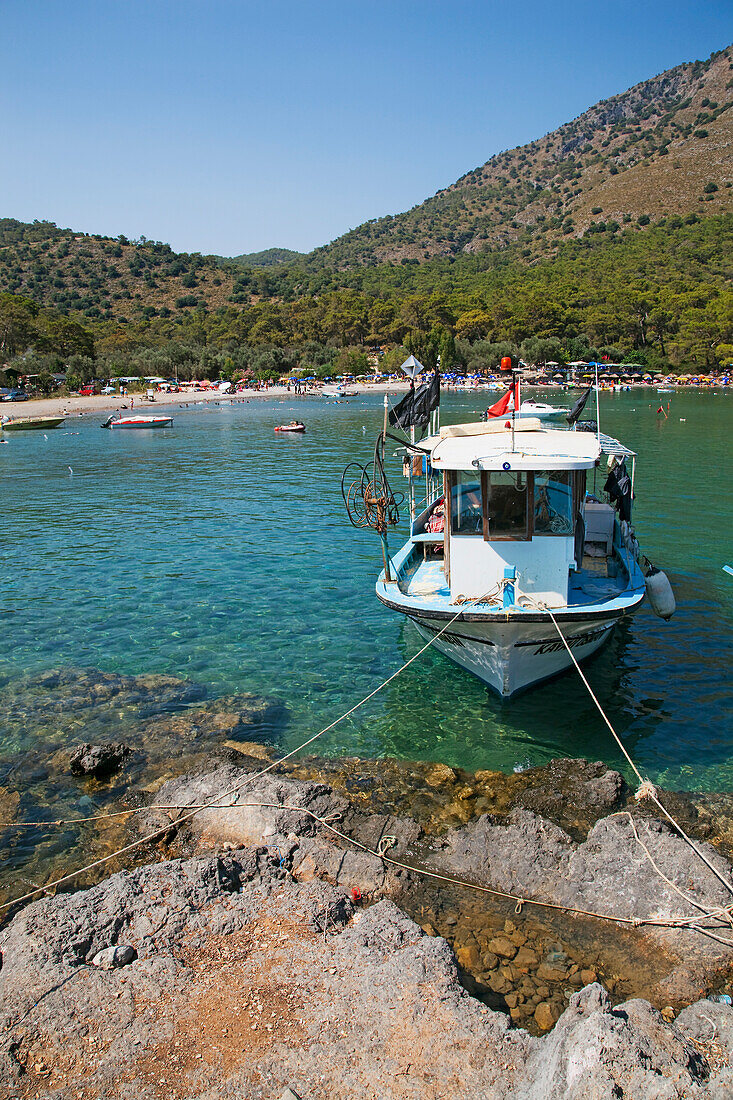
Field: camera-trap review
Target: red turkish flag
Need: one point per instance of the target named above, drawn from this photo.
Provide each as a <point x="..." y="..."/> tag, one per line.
<point x="502" y="404"/>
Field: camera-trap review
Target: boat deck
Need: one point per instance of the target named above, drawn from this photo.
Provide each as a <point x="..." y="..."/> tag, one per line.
<point x="424" y="581"/>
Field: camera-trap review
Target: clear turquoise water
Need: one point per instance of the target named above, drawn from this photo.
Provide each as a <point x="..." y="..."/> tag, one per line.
<point x="220" y="551"/>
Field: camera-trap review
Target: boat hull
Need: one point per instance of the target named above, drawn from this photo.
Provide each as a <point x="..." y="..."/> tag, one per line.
<point x="32" y="424"/>
<point x="513" y="651"/>
<point x="152" y="422"/>
<point x="515" y="656"/>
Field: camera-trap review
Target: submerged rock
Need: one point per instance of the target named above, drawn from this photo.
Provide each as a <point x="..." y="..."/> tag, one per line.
<point x="43" y="696"/>
<point x="230" y="717"/>
<point x="99" y="761"/>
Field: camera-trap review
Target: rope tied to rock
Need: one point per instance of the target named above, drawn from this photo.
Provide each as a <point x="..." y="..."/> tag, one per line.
<point x="187" y="813"/>
<point x="214" y="802"/>
<point x="646" y="789"/>
<point x="385" y="843"/>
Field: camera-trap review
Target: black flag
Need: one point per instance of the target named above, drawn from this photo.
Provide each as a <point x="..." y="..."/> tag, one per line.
<point x="416" y="406"/>
<point x="578" y="407"/>
<point x="618" y="487"/>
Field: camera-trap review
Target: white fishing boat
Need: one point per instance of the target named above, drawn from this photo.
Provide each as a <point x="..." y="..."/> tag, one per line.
<point x="511" y="563"/>
<point x="117" y="421"/>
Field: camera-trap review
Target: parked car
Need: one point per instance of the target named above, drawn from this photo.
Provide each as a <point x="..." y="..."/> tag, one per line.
<point x="87" y="391"/>
<point x="15" y="395"/>
<point x="106" y="390"/>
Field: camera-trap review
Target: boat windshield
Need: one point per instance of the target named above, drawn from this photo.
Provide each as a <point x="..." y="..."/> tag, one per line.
<point x="507" y="505"/>
<point x="553" y="502"/>
<point x="466" y="514"/>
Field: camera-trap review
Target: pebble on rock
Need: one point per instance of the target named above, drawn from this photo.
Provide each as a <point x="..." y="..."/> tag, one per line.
<point x="110" y="958"/>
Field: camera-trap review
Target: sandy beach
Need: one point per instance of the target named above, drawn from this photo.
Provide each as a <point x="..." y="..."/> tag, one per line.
<point x="75" y="405"/>
<point x="136" y="402"/>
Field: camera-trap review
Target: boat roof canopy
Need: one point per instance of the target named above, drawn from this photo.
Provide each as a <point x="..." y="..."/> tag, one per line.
<point x="611" y="446"/>
<point x="488" y="446"/>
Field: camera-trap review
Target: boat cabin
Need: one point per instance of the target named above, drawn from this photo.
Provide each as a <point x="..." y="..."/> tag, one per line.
<point x="513" y="509"/>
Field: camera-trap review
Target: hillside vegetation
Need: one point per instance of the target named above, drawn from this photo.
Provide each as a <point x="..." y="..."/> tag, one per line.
<point x="270" y="257"/>
<point x="610" y="236"/>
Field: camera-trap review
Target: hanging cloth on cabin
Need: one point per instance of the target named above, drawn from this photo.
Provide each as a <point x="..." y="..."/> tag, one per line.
<point x="578" y="407"/>
<point x="618" y="487"/>
<point x="416" y="406"/>
<point x="502" y="405"/>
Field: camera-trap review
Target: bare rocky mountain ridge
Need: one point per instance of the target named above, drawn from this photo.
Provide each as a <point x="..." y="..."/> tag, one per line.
<point x="652" y="150"/>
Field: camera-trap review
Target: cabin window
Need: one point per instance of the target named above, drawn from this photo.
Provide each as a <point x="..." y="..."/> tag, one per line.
<point x="466" y="515"/>
<point x="507" y="497"/>
<point x="553" y="502"/>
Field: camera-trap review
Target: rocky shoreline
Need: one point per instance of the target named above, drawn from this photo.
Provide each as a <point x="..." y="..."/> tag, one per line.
<point x="272" y="953"/>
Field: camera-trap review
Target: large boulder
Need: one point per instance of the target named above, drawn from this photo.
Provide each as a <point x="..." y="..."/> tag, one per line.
<point x="635" y="869"/>
<point x="596" y="1052"/>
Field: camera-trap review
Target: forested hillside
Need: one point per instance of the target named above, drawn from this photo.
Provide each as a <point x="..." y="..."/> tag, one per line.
<point x="611" y="236"/>
<point x="270" y="257"/>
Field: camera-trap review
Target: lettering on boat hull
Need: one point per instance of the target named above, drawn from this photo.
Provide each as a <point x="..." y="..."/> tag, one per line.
<point x="555" y="645"/>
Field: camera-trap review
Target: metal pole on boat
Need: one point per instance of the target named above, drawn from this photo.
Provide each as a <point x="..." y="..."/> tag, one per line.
<point x="381" y="525"/>
<point x="515" y="387"/>
<point x="412" y="477"/>
<point x="598" y="407"/>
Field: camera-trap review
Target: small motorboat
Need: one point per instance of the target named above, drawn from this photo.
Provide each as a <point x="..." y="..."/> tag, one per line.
<point x="336" y="391"/>
<point x="30" y="423"/>
<point x="117" y="421"/>
<point x="542" y="410"/>
<point x="293" y="426"/>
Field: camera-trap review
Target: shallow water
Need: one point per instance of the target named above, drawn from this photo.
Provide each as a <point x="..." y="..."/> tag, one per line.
<point x="219" y="551"/>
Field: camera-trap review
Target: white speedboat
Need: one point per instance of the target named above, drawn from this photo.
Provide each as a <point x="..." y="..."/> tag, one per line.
<point x="542" y="410"/>
<point x="337" y="391"/>
<point x="138" y="422"/>
<point x="509" y="539"/>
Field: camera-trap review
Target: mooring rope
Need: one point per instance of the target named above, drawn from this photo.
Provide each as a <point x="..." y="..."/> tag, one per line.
<point x="646" y="788"/>
<point x="723" y="914"/>
<point x="232" y="790"/>
<point x="720" y="914"/>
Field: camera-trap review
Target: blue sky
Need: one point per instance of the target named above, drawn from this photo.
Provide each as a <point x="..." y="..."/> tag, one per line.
<point x="229" y="126"/>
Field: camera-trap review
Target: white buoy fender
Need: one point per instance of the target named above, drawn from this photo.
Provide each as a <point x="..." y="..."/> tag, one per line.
<point x="660" y="594"/>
